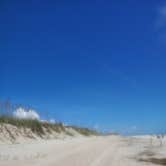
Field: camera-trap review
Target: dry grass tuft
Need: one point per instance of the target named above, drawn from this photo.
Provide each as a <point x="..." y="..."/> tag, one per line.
<point x="161" y="161"/>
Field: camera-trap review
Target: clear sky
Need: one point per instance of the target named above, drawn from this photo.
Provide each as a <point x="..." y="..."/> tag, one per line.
<point x="94" y="63"/>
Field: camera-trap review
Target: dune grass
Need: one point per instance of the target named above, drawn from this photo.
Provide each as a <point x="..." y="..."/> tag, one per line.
<point x="161" y="161"/>
<point x="38" y="126"/>
<point x="34" y="125"/>
<point x="85" y="131"/>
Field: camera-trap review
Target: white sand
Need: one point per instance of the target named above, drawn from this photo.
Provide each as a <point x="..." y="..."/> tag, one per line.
<point x="92" y="151"/>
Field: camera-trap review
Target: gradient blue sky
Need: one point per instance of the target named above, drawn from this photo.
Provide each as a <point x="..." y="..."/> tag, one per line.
<point x="94" y="63"/>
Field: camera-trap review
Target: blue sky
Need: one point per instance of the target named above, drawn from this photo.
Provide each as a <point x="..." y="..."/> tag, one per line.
<point x="93" y="63"/>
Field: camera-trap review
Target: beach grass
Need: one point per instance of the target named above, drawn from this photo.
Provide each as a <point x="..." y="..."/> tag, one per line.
<point x="37" y="126"/>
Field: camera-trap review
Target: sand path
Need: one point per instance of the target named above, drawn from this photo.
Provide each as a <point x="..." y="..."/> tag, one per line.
<point x="94" y="151"/>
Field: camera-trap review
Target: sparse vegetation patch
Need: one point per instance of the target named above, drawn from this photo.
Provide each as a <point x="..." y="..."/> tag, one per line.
<point x="161" y="161"/>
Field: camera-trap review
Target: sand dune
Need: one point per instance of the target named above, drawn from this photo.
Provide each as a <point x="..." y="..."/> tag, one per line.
<point x="92" y="151"/>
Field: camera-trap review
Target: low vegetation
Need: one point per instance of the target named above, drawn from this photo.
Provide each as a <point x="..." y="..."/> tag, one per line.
<point x="85" y="131"/>
<point x="34" y="125"/>
<point x="38" y="127"/>
<point x="161" y="161"/>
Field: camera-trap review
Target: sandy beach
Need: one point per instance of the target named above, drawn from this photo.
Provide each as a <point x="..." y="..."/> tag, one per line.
<point x="84" y="151"/>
